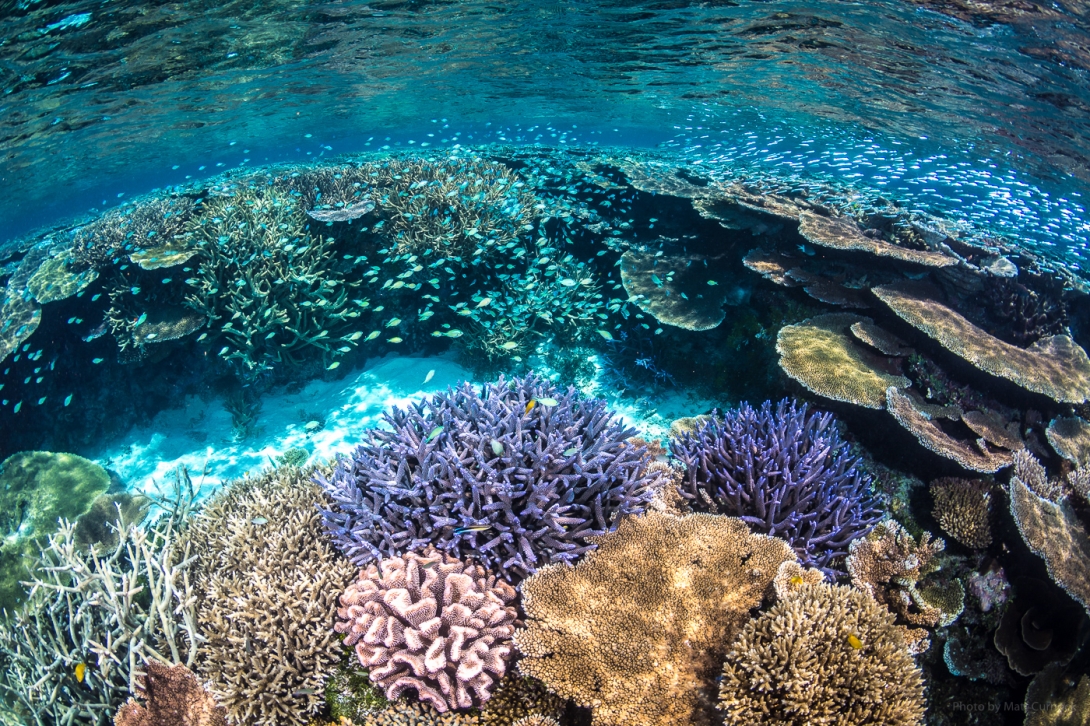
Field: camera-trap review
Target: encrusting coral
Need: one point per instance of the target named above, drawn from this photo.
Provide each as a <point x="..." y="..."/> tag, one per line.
<point x="784" y="471"/>
<point x="636" y="629"/>
<point x="820" y="355"/>
<point x="172" y="696"/>
<point x="268" y="583"/>
<point x="1055" y="366"/>
<point x="516" y="477"/>
<point x="823" y="654"/>
<point x="432" y="624"/>
<point x="962" y="509"/>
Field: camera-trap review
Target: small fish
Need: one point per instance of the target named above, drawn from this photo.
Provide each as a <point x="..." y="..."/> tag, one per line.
<point x="355" y="336"/>
<point x="854" y="642"/>
<point x="259" y="520"/>
<point x="434" y="432"/>
<point x="94" y="298"/>
<point x="465" y="311"/>
<point x="497" y="447"/>
<point x="484" y="302"/>
<point x="81" y="671"/>
<point x="796" y="580"/>
<point x="605" y="334"/>
<point x="567" y="282"/>
<point x="304" y="692"/>
<point x="547" y="401"/>
<point x="510" y="345"/>
<point x="96" y="361"/>
<point x="394" y="322"/>
<point x="569" y="452"/>
<point x="68" y="400"/>
<point x="140" y="320"/>
<point x="453" y="333"/>
<point x="203" y="336"/>
<point x="332" y="365"/>
<point x="223" y="350"/>
<point x="473" y="528"/>
<point x="431" y="374"/>
<point x="530" y="406"/>
<point x="18" y="406"/>
<point x="395" y="339"/>
<point x="426" y="314"/>
<point x="712" y="282"/>
<point x="373" y="335"/>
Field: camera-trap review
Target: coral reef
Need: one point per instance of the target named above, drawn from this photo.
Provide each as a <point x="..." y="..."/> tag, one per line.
<point x="1055" y="367"/>
<point x="1026" y="315"/>
<point x="1052" y="530"/>
<point x="880" y="339"/>
<point x="139" y="224"/>
<point x="267" y="286"/>
<point x="1057" y="699"/>
<point x="95" y="618"/>
<point x="1039" y="626"/>
<point x="268" y="584"/>
<point x="962" y="509"/>
<point x="819" y="354"/>
<point x="842" y="233"/>
<point x="516" y="477"/>
<point x="657" y="284"/>
<point x="636" y="628"/>
<point x="990" y="587"/>
<point x="100" y="523"/>
<point x="824" y="654"/>
<point x="432" y="624"/>
<point x="37" y="488"/>
<point x="784" y="471"/>
<point x="519" y="699"/>
<point x="921" y="424"/>
<point x="1070" y="437"/>
<point x="891" y="566"/>
<point x="55" y="281"/>
<point x="172" y="696"/>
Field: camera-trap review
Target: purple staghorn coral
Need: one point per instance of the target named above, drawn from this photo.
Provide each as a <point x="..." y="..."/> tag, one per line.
<point x="432" y="624"/>
<point x="515" y="477"/>
<point x="785" y="473"/>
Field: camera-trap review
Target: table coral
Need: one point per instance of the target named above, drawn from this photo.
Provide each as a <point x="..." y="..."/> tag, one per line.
<point x="824" y="654"/>
<point x="636" y="629"/>
<point x="962" y="509"/>
<point x="432" y="624"/>
<point x="785" y="472"/>
<point x="516" y="476"/>
<point x="842" y="233"/>
<point x="658" y="284"/>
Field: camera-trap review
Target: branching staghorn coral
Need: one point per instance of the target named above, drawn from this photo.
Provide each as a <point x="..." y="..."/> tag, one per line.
<point x="267" y="588"/>
<point x="141" y="224"/>
<point x="637" y="628"/>
<point x="517" y="476"/>
<point x="785" y="472"/>
<point x="270" y="288"/>
<point x="824" y="654"/>
<point x="431" y="624"/>
<point x="111" y="610"/>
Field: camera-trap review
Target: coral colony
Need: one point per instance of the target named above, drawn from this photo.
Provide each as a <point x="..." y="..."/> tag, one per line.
<point x="516" y="553"/>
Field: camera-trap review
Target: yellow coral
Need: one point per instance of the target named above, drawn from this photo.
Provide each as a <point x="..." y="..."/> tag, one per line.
<point x="824" y="654"/>
<point x="819" y="354"/>
<point x="635" y="629"/>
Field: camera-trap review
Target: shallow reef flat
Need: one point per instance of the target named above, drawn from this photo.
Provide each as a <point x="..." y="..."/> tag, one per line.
<point x="524" y="436"/>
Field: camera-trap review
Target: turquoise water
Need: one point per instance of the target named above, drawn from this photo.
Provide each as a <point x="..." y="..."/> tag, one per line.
<point x="292" y="289"/>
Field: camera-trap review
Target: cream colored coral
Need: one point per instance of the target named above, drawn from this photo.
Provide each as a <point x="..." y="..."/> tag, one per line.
<point x="635" y="629"/>
<point x="962" y="508"/>
<point x="825" y="654"/>
<point x="920" y="423"/>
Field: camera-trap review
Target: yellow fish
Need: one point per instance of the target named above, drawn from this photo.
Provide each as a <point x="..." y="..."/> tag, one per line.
<point x="796" y="580"/>
<point x="530" y="406"/>
<point x="373" y="335"/>
<point x="854" y="642"/>
<point x="394" y="340"/>
<point x="81" y="671"/>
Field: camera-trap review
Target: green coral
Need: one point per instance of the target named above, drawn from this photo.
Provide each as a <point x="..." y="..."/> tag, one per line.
<point x="271" y="289"/>
<point x="37" y="488"/>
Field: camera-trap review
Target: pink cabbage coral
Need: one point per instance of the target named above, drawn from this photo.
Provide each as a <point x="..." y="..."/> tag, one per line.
<point x="432" y="623"/>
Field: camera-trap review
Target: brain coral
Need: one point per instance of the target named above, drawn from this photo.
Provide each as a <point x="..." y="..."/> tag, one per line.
<point x="823" y="654"/>
<point x="432" y="624"/>
<point x="635" y="629"/>
<point x="516" y="476"/>
<point x="785" y="472"/>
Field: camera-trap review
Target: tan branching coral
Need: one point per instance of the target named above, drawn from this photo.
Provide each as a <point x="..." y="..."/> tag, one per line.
<point x="432" y="624"/>
<point x="1054" y="531"/>
<point x="791" y="576"/>
<point x="842" y="233"/>
<point x="889" y="565"/>
<point x="1055" y="366"/>
<point x="923" y="426"/>
<point x="824" y="654"/>
<point x="657" y="285"/>
<point x="269" y="583"/>
<point x="1070" y="437"/>
<point x="962" y="508"/>
<point x="172" y="696"/>
<point x="636" y="628"/>
<point x="820" y="355"/>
